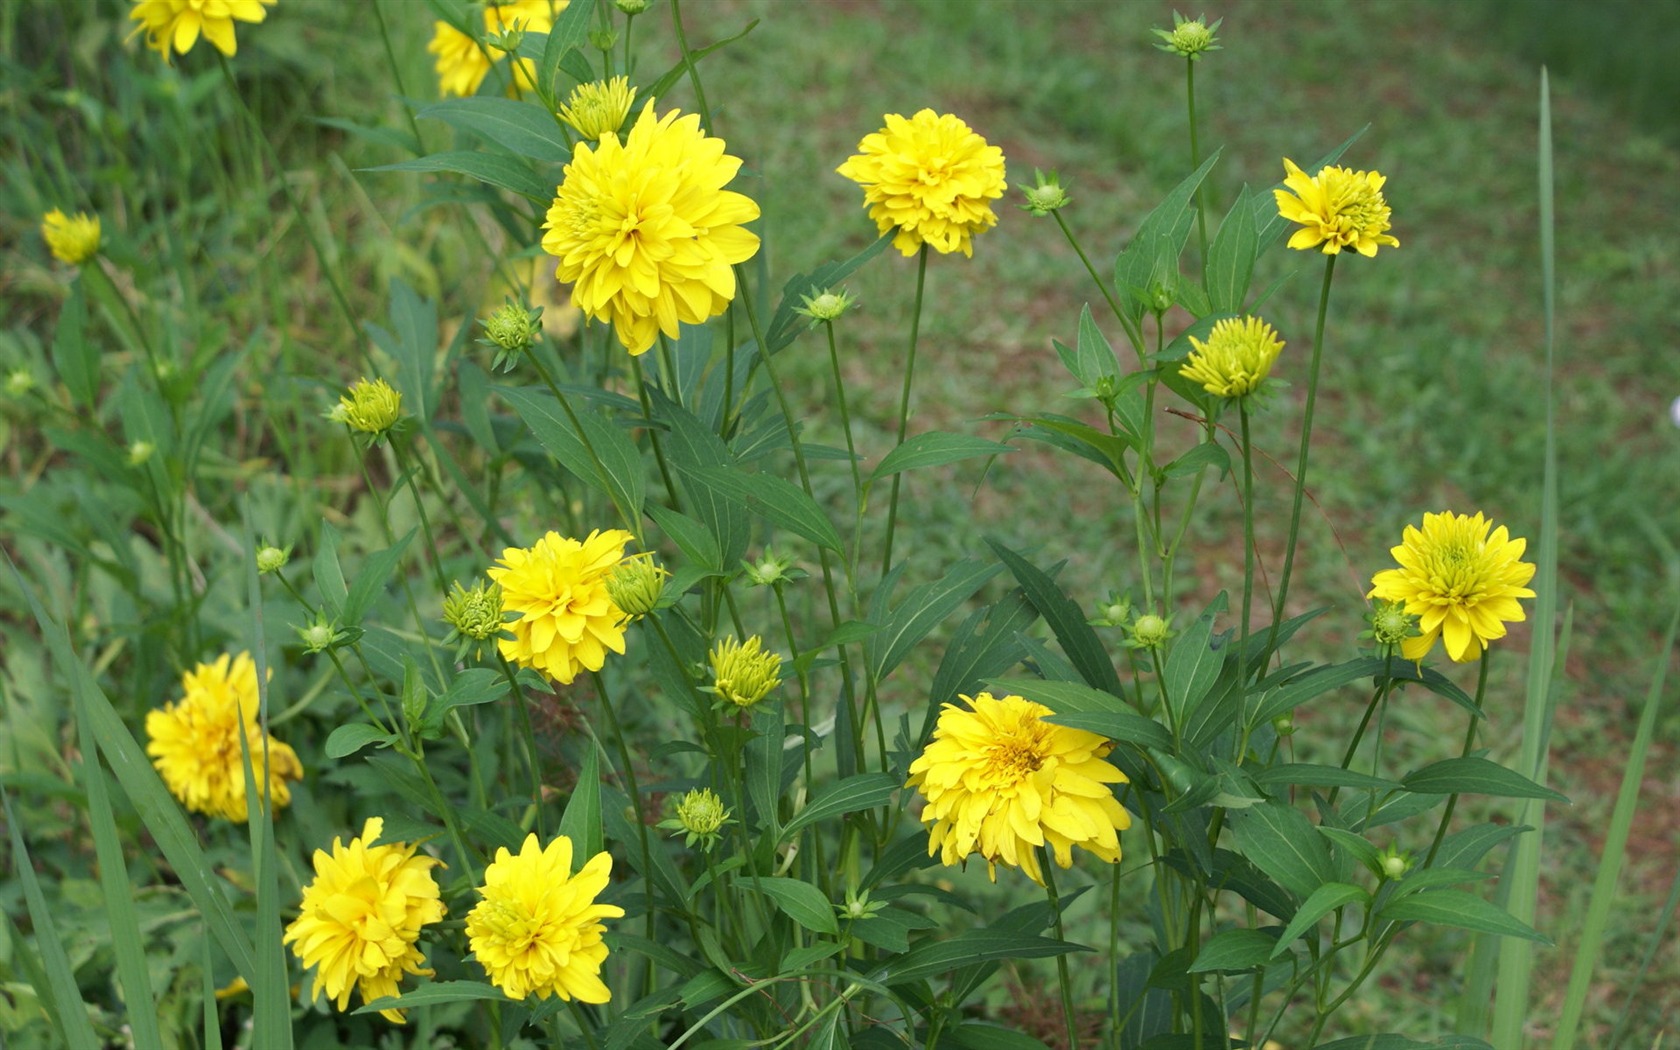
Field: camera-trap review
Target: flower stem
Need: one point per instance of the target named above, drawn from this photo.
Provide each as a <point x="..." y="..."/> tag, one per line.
<point x="1248" y="541"/>
<point x="1196" y="161"/>
<point x="1301" y="459"/>
<point x="1046" y="864"/>
<point x="904" y="402"/>
<point x="1133" y="333"/>
<point x="1469" y="743"/>
<point x="530" y="736"/>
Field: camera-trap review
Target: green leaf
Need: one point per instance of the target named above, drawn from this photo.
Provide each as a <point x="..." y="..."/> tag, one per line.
<point x="923" y="608"/>
<point x="1153" y="252"/>
<point x="693" y="538"/>
<point x="1104" y="449"/>
<point x="351" y="737"/>
<point x="1310" y="774"/>
<point x="581" y="822"/>
<point x="1082" y="707"/>
<point x="1430" y="878"/>
<point x="781" y="501"/>
<point x="969" y="947"/>
<point x="1463" y="910"/>
<point x="1384" y="1041"/>
<point x="1466" y="848"/>
<point x="1283" y="843"/>
<point x="1066" y="620"/>
<point x="60" y="995"/>
<point x="598" y="451"/>
<point x="1094" y="359"/>
<point x="1230" y="264"/>
<point x="521" y="127"/>
<point x="438" y="993"/>
<point x="508" y="173"/>
<point x="863" y="791"/>
<point x="1312" y="684"/>
<point x="375" y="572"/>
<point x="764" y="765"/>
<point x="74" y="356"/>
<point x="978" y="1035"/>
<point x="1352" y="845"/>
<point x="786" y="325"/>
<point x="1192" y="664"/>
<point x="1321" y="902"/>
<point x="469" y="688"/>
<point x="932" y="449"/>
<point x="1118" y="725"/>
<point x="1476" y="776"/>
<point x="973" y="655"/>
<point x="803" y="902"/>
<point x="1235" y="950"/>
<point x="1207" y="454"/>
<point x="570" y="32"/>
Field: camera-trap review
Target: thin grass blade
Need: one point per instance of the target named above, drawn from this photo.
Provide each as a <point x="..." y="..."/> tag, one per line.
<point x="59" y="994"/>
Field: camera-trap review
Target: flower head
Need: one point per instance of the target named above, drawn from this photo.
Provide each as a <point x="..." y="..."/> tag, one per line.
<point x="474" y="617"/>
<point x="1190" y="37"/>
<point x="271" y="559"/>
<point x="1000" y="781"/>
<point x="1046" y="194"/>
<point x="701" y="816"/>
<point x="174" y="26"/>
<point x="598" y="109"/>
<point x="195" y="741"/>
<point x="558" y="586"/>
<point x="462" y="62"/>
<point x="930" y="178"/>
<point x="512" y="330"/>
<point x="1337" y="207"/>
<point x="372" y="407"/>
<point x="1236" y="358"/>
<point x="71" y="239"/>
<point x="1149" y="631"/>
<point x="636" y="585"/>
<point x="645" y="230"/>
<point x="743" y="673"/>
<point x="825" y="305"/>
<point x="1460" y="582"/>
<point x="361" y="916"/>
<point x="538" y="928"/>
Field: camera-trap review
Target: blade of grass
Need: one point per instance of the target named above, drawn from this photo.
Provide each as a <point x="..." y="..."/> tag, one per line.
<point x="1516" y="958"/>
<point x="1610" y="863"/>
<point x="59" y="995"/>
<point x="212" y="1018"/>
<point x="127" y="944"/>
<point x="1651" y="946"/>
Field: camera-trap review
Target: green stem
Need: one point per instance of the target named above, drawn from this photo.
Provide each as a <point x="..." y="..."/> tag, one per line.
<point x="1248" y="543"/>
<point x="851" y="448"/>
<point x="432" y="555"/>
<point x="530" y="736"/>
<point x="1196" y="162"/>
<point x="1469" y="744"/>
<point x="1377" y="696"/>
<point x="904" y="402"/>
<point x="1133" y="332"/>
<point x="1047" y="865"/>
<point x="636" y="803"/>
<point x="688" y="62"/>
<point x="653" y="433"/>
<point x="1301" y="459"/>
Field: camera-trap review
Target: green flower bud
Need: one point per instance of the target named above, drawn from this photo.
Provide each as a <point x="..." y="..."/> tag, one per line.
<point x="512" y="330"/>
<point x="19" y="382"/>
<point x="321" y="634"/>
<point x="826" y="305"/>
<point x="771" y="568"/>
<point x="1284" y="725"/>
<point x="632" y="7"/>
<point x="1391" y="624"/>
<point x="603" y="39"/>
<point x="1113" y="613"/>
<point x="743" y="673"/>
<point x="271" y="559"/>
<point x="474" y="617"/>
<point x="1150" y="632"/>
<point x="636" y="584"/>
<point x="701" y="817"/>
<point x="1394" y="862"/>
<point x="373" y="408"/>
<point x="598" y="109"/>
<point x="139" y="452"/>
<point x="1047" y="195"/>
<point x="1189" y="37"/>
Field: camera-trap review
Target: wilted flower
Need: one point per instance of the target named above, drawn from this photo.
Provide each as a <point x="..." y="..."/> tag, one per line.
<point x="538" y="930"/>
<point x="1337" y="207"/>
<point x="929" y="178"/>
<point x="1461" y="583"/>
<point x="71" y="239"/>
<point x="195" y="742"/>
<point x="598" y="109"/>
<point x="645" y="231"/>
<point x="743" y="673"/>
<point x="1190" y="37"/>
<point x="174" y="26"/>
<point x="1235" y="360"/>
<point x="462" y="62"/>
<point x="567" y="619"/>
<point x="360" y="920"/>
<point x="372" y="407"/>
<point x="1000" y="781"/>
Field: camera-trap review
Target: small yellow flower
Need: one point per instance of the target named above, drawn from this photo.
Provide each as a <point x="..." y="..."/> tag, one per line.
<point x="743" y="673"/>
<point x="372" y="407"/>
<point x="645" y="231"/>
<point x="360" y="921"/>
<point x="538" y="930"/>
<point x="701" y="816"/>
<point x="1236" y="358"/>
<point x="71" y="239"/>
<point x="1337" y="207"/>
<point x="1000" y="781"/>
<point x="930" y="178"/>
<point x="462" y="62"/>
<point x="567" y="620"/>
<point x="598" y="109"/>
<point x="194" y="742"/>
<point x="174" y="26"/>
<point x="1460" y="582"/>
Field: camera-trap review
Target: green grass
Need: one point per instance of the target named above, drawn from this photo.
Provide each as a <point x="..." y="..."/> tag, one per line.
<point x="1432" y="392"/>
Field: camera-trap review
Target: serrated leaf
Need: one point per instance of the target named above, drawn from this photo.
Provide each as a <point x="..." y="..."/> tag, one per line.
<point x="786" y="325"/>
<point x="351" y="737"/>
<point x="597" y="451"/>
<point x="1463" y="910"/>
<point x="922" y="609"/>
<point x="1152" y="255"/>
<point x="1192" y="664"/>
<point x="1094" y="360"/>
<point x="803" y="902"/>
<point x="1309" y="774"/>
<point x="375" y="572"/>
<point x="1312" y="684"/>
<point x="1230" y="264"/>
<point x="932" y="449"/>
<point x="1476" y="776"/>
<point x="693" y="538"/>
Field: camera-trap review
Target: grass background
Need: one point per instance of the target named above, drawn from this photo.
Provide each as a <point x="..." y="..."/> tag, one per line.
<point x="1432" y="394"/>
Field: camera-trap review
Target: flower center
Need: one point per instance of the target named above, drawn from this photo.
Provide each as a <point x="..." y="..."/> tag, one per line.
<point x="1015" y="759"/>
<point x="513" y="926"/>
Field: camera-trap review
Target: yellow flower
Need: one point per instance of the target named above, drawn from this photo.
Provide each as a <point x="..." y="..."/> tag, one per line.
<point x="598" y="108"/>
<point x="1338" y="207"/>
<point x="1236" y="358"/>
<point x="930" y="178"/>
<point x="567" y="620"/>
<point x="743" y="673"/>
<point x="1461" y="583"/>
<point x="371" y="407"/>
<point x="538" y="928"/>
<point x="645" y="230"/>
<point x="194" y="742"/>
<point x="1000" y="781"/>
<point x="71" y="239"/>
<point x="174" y="26"/>
<point x="462" y="62"/>
<point x="360" y="920"/>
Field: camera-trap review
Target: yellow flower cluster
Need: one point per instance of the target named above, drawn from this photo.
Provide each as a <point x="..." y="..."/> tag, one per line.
<point x="930" y="178"/>
<point x="1460" y="582"/>
<point x="537" y="930"/>
<point x="646" y="232"/>
<point x="195" y="742"/>
<point x="174" y="26"/>
<point x="1001" y="782"/>
<point x="360" y="921"/>
<point x="558" y="586"/>
<point x="463" y="63"/>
